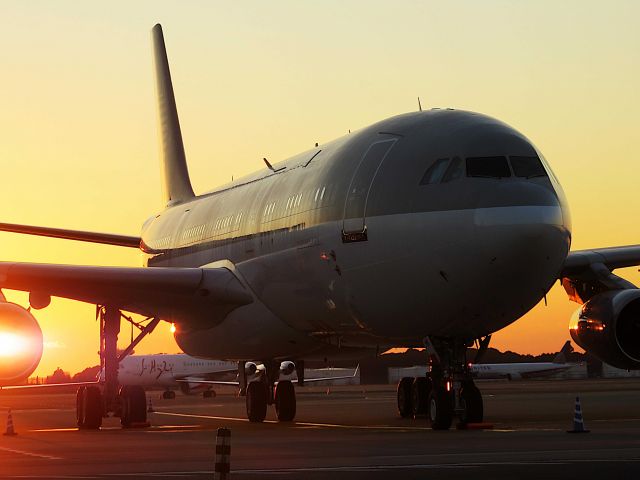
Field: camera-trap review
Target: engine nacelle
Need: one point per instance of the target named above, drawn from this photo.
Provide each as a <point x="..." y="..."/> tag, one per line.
<point x="193" y="388"/>
<point x="608" y="326"/>
<point x="20" y="343"/>
<point x="287" y="368"/>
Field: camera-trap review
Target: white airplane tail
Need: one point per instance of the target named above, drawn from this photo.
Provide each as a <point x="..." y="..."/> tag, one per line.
<point x="561" y="357"/>
<point x="177" y="185"/>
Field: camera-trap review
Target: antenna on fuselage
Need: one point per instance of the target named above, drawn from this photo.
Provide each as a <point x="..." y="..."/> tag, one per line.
<point x="419" y="104"/>
<point x="270" y="167"/>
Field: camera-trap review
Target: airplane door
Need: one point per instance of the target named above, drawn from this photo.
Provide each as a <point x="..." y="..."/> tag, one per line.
<point x="353" y="219"/>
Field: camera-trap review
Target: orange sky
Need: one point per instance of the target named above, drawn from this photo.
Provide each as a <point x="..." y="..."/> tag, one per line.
<point x="78" y="120"/>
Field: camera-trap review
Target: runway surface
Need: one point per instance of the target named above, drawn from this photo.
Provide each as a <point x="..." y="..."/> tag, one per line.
<point x="354" y="433"/>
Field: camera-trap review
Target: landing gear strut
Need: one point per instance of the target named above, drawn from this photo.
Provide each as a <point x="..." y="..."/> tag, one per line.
<point x="447" y="390"/>
<point x="129" y="403"/>
<point x="268" y="390"/>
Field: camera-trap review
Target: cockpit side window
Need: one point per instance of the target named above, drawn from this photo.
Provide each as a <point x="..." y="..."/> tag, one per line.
<point x="528" y="167"/>
<point x="435" y="172"/>
<point x="488" y="167"/>
<point x="455" y="170"/>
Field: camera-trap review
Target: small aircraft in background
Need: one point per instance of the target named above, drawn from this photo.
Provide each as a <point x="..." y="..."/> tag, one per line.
<point x="518" y="371"/>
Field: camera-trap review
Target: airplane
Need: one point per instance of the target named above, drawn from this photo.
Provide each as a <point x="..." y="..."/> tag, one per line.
<point x="428" y="229"/>
<point x="177" y="371"/>
<point x="520" y="370"/>
<point x="193" y="375"/>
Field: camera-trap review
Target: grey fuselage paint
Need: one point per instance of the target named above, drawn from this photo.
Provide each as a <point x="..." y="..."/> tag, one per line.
<point x="346" y="254"/>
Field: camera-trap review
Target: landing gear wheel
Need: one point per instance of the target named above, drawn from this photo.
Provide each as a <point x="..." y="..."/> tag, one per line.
<point x="168" y="395"/>
<point x="285" y="400"/>
<point x="420" y="391"/>
<point x="208" y="394"/>
<point x="471" y="402"/>
<point x="256" y="400"/>
<point x="133" y="405"/>
<point x="440" y="409"/>
<point x="405" y="408"/>
<point x="89" y="408"/>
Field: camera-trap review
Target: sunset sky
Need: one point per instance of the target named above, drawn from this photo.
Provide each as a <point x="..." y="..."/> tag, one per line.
<point x="78" y="147"/>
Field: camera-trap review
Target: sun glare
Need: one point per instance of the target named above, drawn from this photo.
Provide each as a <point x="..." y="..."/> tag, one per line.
<point x="12" y="344"/>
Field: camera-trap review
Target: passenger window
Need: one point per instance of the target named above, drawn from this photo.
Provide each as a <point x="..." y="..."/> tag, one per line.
<point x="435" y="172"/>
<point x="454" y="171"/>
<point x="528" y="167"/>
<point x="488" y="167"/>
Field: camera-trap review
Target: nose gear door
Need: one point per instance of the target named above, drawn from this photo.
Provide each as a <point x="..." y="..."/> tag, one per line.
<point x="354" y="227"/>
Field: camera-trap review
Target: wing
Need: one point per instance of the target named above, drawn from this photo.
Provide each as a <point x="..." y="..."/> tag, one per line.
<point x="589" y="272"/>
<point x="48" y="385"/>
<point x="174" y="294"/>
<point x="328" y="379"/>
<point x="237" y="384"/>
<point x="93" y="237"/>
<point x="207" y="376"/>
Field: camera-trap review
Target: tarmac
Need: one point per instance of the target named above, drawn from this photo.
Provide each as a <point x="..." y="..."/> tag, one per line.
<point x="352" y="432"/>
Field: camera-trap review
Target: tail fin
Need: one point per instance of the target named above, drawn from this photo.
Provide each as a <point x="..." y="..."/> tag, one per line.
<point x="177" y="186"/>
<point x="561" y="357"/>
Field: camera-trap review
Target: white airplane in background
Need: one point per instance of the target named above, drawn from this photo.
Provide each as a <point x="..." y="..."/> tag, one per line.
<point x="519" y="370"/>
<point x="428" y="229"/>
<point x="177" y="371"/>
<point x="193" y="375"/>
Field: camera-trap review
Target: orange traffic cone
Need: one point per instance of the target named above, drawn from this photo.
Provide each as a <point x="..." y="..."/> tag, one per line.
<point x="578" y="421"/>
<point x="10" y="430"/>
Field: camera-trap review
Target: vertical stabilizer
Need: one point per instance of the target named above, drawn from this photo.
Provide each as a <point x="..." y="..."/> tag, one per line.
<point x="177" y="186"/>
<point x="566" y="349"/>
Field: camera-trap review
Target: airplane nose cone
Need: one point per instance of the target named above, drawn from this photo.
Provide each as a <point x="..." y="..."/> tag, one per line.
<point x="523" y="246"/>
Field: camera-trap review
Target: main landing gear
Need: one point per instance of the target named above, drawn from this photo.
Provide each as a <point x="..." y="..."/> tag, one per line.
<point x="447" y="390"/>
<point x="268" y="390"/>
<point x="93" y="402"/>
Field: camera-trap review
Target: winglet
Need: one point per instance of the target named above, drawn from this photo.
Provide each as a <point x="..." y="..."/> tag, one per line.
<point x="177" y="185"/>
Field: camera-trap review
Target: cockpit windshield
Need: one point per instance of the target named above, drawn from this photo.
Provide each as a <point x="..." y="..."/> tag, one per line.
<point x="528" y="167"/>
<point x="488" y="167"/>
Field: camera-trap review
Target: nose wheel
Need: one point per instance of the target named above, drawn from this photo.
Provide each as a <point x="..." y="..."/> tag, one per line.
<point x="440" y="408"/>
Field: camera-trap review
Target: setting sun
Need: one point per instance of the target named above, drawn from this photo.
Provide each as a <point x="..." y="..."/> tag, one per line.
<point x="12" y="344"/>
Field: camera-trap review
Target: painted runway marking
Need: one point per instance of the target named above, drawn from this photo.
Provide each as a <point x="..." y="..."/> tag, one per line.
<point x="300" y="424"/>
<point x="30" y="454"/>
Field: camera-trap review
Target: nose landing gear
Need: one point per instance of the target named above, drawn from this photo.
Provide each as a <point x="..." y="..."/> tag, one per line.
<point x="447" y="390"/>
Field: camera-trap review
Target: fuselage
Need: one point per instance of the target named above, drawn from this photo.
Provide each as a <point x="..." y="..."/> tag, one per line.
<point x="515" y="371"/>
<point x="433" y="223"/>
<point x="164" y="370"/>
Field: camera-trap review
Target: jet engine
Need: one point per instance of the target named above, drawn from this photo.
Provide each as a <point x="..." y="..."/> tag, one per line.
<point x="193" y="388"/>
<point x="608" y="326"/>
<point x="20" y="344"/>
<point x="287" y="368"/>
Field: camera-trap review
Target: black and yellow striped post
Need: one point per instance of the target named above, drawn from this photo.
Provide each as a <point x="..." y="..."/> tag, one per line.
<point x="223" y="454"/>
